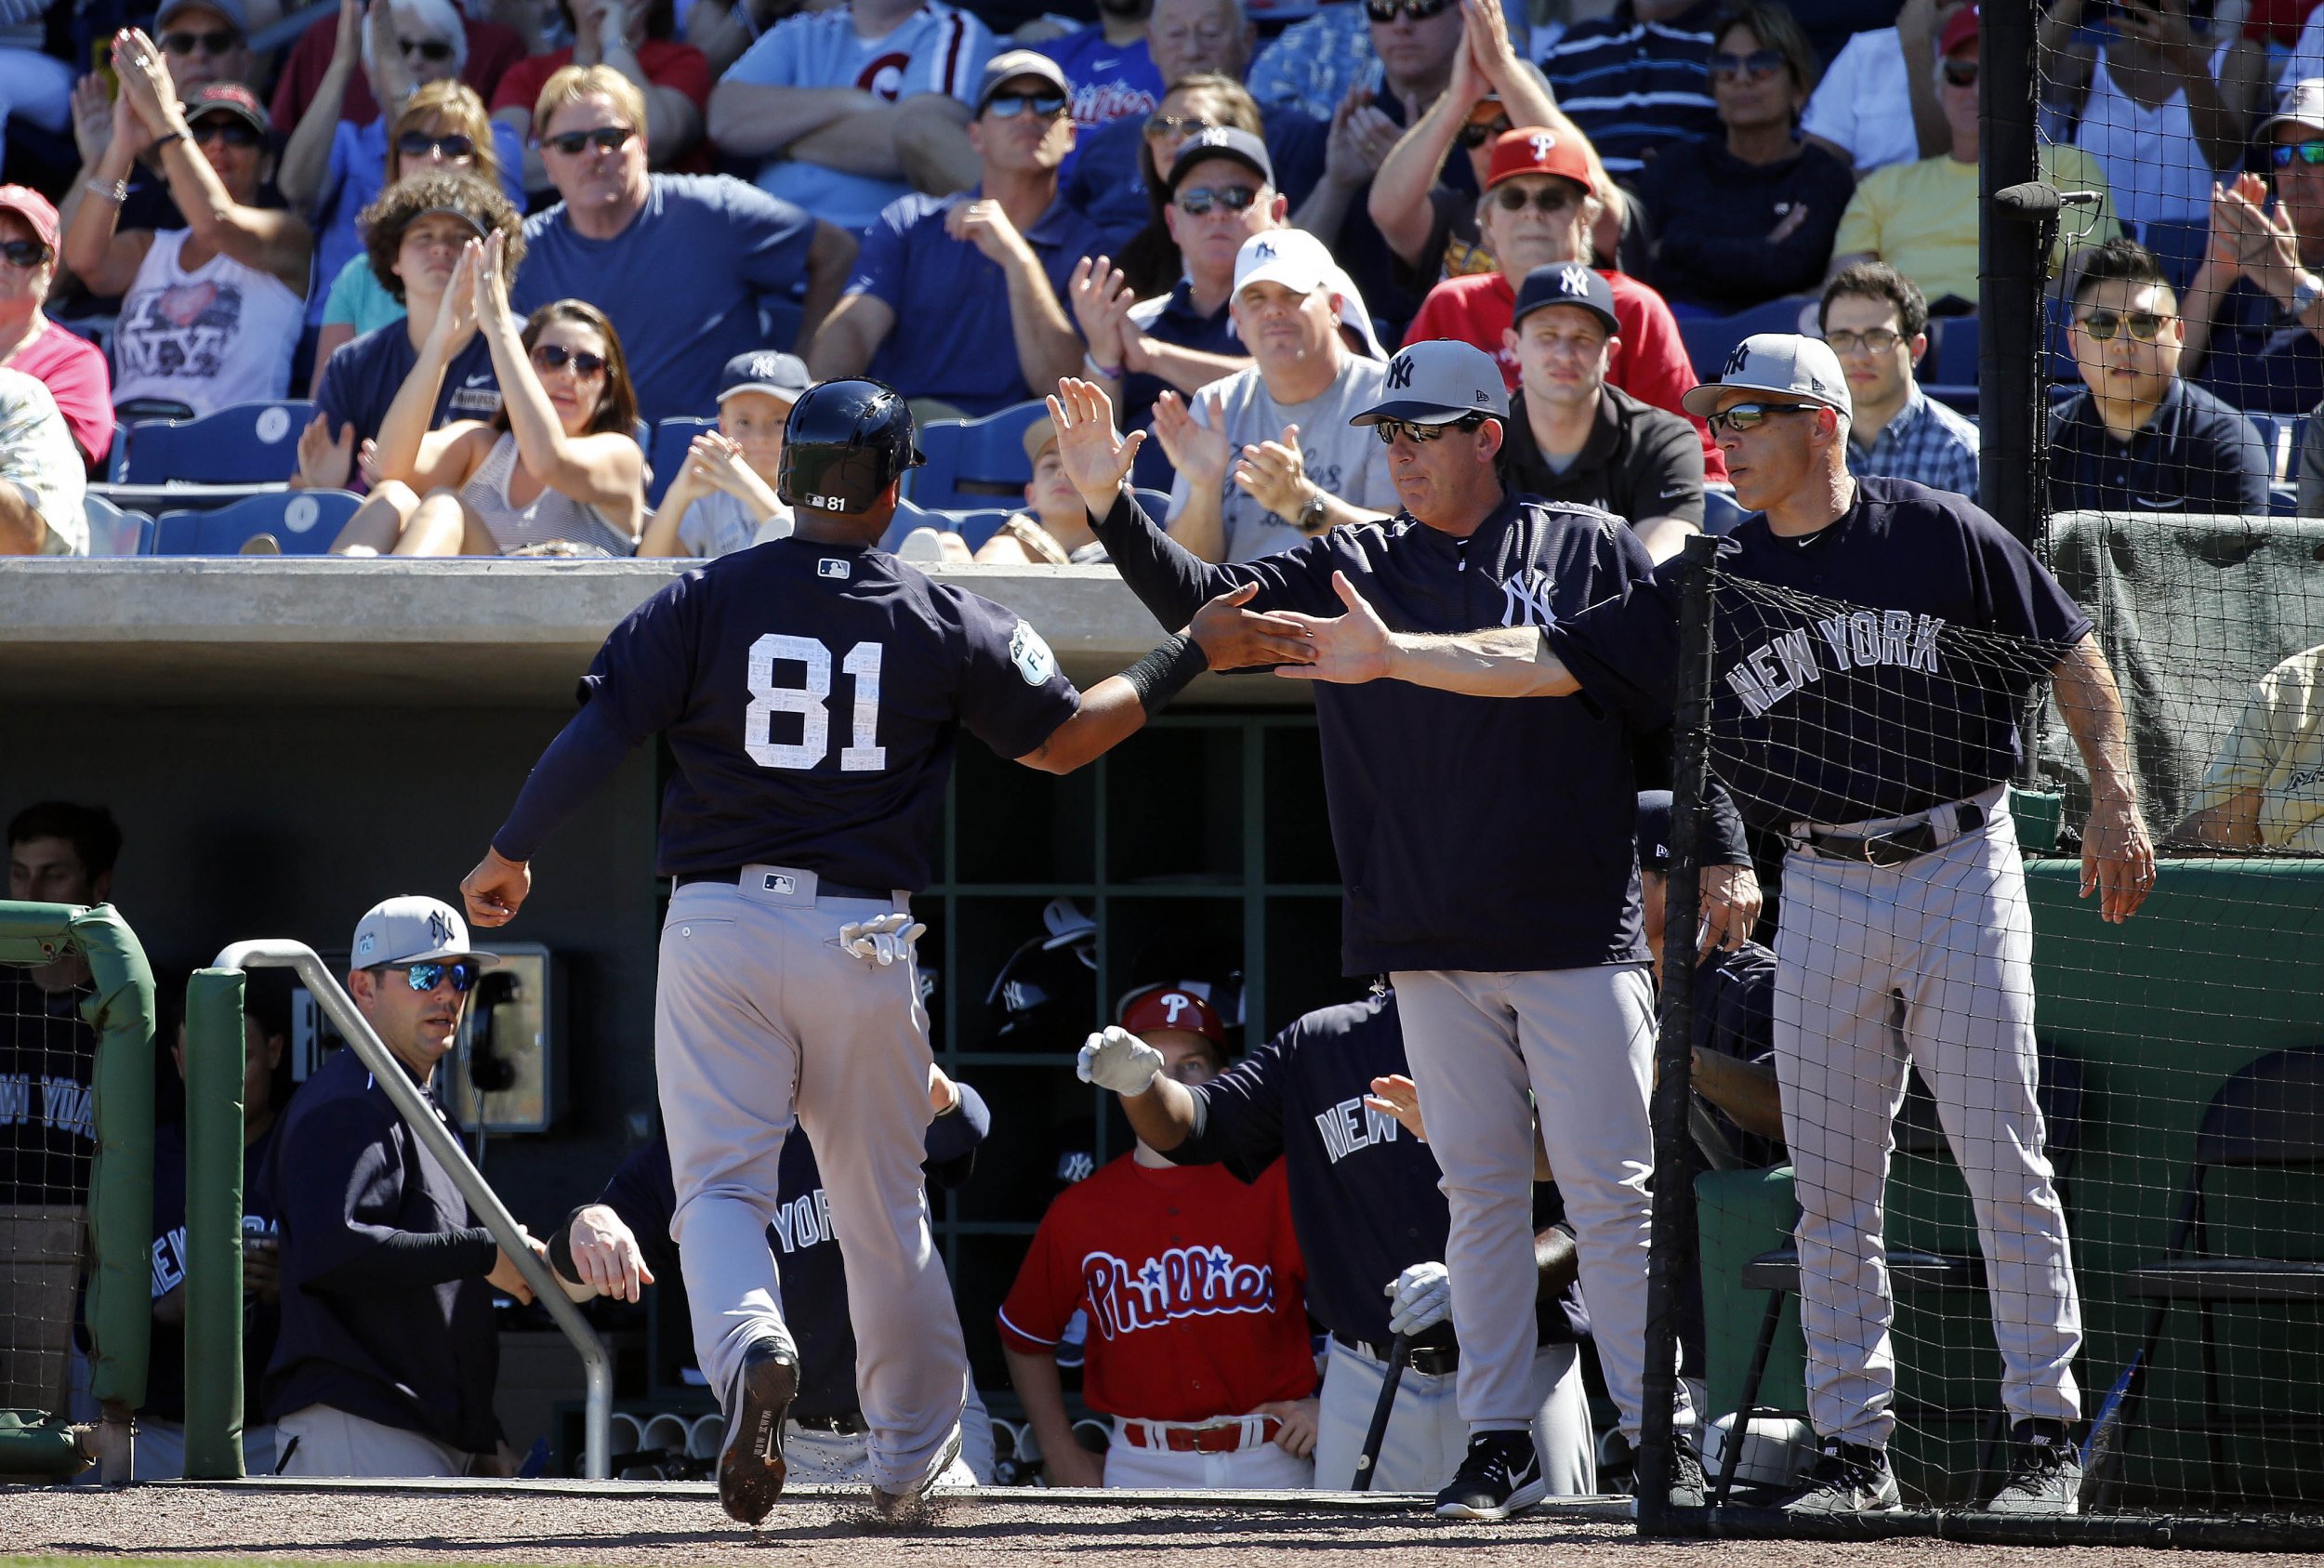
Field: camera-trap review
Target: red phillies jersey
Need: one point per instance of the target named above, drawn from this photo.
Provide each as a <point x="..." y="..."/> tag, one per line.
<point x="1193" y="1286"/>
<point x="1650" y="362"/>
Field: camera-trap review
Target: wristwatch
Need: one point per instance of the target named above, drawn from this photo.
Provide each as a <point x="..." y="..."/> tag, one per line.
<point x="1311" y="516"/>
<point x="2306" y="291"/>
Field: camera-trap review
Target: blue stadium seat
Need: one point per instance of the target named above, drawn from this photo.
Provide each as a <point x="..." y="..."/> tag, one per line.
<point x="975" y="527"/>
<point x="667" y="453"/>
<point x="988" y="452"/>
<point x="112" y="532"/>
<point x="1709" y="338"/>
<point x="246" y="443"/>
<point x="1722" y="512"/>
<point x="302" y="522"/>
<point x="1949" y="372"/>
<point x="1156" y="502"/>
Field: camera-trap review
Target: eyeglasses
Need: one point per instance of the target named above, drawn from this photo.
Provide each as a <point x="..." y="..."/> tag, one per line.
<point x="2144" y="325"/>
<point x="425" y="48"/>
<point x="217" y="41"/>
<point x="1476" y="133"/>
<point x="2310" y="154"/>
<point x="1388" y="429"/>
<point x="1160" y="125"/>
<point x="234" y="132"/>
<point x="1556" y="196"/>
<point x="1960" y="73"/>
<point x="462" y="972"/>
<point x="1199" y="202"/>
<point x="556" y="356"/>
<point x="24" y="252"/>
<point x="1008" y="106"/>
<point x="1382" y="12"/>
<point x="1757" y="65"/>
<point x="1751" y="416"/>
<point x="451" y="148"/>
<point x="1879" y="340"/>
<point x="610" y="139"/>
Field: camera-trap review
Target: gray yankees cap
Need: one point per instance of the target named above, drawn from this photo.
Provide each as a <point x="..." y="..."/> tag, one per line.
<point x="1009" y="64"/>
<point x="1782" y="363"/>
<point x="1437" y="382"/>
<point x="412" y="928"/>
<point x="765" y="370"/>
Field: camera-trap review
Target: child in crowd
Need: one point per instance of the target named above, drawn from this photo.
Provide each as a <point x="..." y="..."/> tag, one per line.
<point x="723" y="498"/>
<point x="1054" y="529"/>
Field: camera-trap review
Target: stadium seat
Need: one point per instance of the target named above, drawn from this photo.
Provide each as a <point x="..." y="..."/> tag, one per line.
<point x="301" y="521"/>
<point x="112" y="532"/>
<point x="971" y="462"/>
<point x="667" y="453"/>
<point x="1711" y="339"/>
<point x="1722" y="511"/>
<point x="975" y="527"/>
<point x="247" y="443"/>
<point x="1949" y="372"/>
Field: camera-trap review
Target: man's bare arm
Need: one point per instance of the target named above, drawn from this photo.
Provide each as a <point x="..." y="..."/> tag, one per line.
<point x="2118" y="857"/>
<point x="1495" y="662"/>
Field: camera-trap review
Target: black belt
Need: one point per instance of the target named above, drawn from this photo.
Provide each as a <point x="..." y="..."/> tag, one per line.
<point x="1430" y="1361"/>
<point x="849" y="1425"/>
<point x="1897" y="846"/>
<point x="731" y="876"/>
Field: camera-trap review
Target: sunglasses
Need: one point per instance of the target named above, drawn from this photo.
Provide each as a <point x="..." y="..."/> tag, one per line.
<point x="1879" y="340"/>
<point x="1008" y="106"/>
<point x="217" y="41"/>
<point x="1160" y="125"/>
<point x="1751" y="416"/>
<point x="2103" y="324"/>
<point x="462" y="972"/>
<point x="1757" y="65"/>
<point x="425" y="48"/>
<point x="1474" y="134"/>
<point x="24" y="252"/>
<point x="1202" y="198"/>
<point x="1555" y="197"/>
<point x="1388" y="429"/>
<point x="420" y="144"/>
<point x="556" y="356"/>
<point x="234" y="132"/>
<point x="1960" y="73"/>
<point x="610" y="139"/>
<point x="1382" y="12"/>
<point x="2309" y="154"/>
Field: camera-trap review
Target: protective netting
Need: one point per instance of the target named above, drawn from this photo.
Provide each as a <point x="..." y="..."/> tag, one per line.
<point x="48" y="1139"/>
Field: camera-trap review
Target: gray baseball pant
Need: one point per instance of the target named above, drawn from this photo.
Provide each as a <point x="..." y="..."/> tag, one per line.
<point x="1581" y="1042"/>
<point x="1426" y="1438"/>
<point x="1928" y="963"/>
<point x="761" y="1018"/>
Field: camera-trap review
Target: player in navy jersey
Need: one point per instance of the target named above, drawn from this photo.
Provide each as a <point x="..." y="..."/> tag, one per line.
<point x="809" y="691"/>
<point x="1875" y="643"/>
<point x="1371" y="1225"/>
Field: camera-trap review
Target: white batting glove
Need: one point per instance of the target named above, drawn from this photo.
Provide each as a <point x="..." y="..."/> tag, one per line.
<point x="1421" y="1298"/>
<point x="1116" y="1059"/>
<point x="880" y="942"/>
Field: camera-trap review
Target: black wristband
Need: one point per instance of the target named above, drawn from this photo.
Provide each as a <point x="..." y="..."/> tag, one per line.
<point x="1163" y="673"/>
<point x="560" y="1261"/>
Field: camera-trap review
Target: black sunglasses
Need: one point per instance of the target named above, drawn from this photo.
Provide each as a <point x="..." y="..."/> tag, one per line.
<point x="216" y="41"/>
<point x="1008" y="106"/>
<point x="2307" y="154"/>
<point x="1160" y="125"/>
<point x="611" y="139"/>
<point x="424" y="977"/>
<point x="1758" y="64"/>
<point x="426" y="48"/>
<point x="1553" y="197"/>
<point x="1382" y="12"/>
<point x="420" y="144"/>
<point x="1474" y="134"/>
<point x="24" y="252"/>
<point x="1751" y="416"/>
<point x="234" y="132"/>
<point x="1387" y="429"/>
<point x="1202" y="198"/>
<point x="556" y="356"/>
<point x="1960" y="73"/>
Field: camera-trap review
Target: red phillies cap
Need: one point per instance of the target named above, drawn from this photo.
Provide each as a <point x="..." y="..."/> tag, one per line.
<point x="1166" y="1006"/>
<point x="33" y="208"/>
<point x="1961" y="33"/>
<point x="1538" y="149"/>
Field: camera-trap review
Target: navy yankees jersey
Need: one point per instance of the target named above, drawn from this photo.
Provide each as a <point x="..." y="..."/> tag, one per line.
<point x="811" y="694"/>
<point x="806" y="1252"/>
<point x="1364" y="1202"/>
<point x="1471" y="833"/>
<point x="165" y="1357"/>
<point x="47" y="1103"/>
<point x="1873" y="668"/>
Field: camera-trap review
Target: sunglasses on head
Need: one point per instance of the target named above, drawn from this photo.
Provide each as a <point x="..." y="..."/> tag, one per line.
<point x="1008" y="106"/>
<point x="234" y="132"/>
<point x="556" y="356"/>
<point x="611" y="139"/>
<point x="1160" y="125"/>
<point x="462" y="972"/>
<point x="1960" y="73"/>
<point x="1202" y="198"/>
<point x="1751" y="416"/>
<point x="1553" y="197"/>
<point x="216" y="41"/>
<point x="420" y="144"/>
<point x="1757" y="65"/>
<point x="1476" y="133"/>
<point x="2309" y="154"/>
<point x="425" y="48"/>
<point x="24" y="252"/>
<point x="2103" y="324"/>
<point x="1412" y="430"/>
<point x="1382" y="12"/>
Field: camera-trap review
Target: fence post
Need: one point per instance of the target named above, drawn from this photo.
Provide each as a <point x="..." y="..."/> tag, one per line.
<point x="2013" y="261"/>
<point x="214" y="1047"/>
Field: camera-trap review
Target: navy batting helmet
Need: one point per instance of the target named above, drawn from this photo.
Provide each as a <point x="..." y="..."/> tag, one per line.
<point x="844" y="444"/>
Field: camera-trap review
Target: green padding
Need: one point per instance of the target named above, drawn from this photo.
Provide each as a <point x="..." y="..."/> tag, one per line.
<point x="120" y="1184"/>
<point x="1742" y="1214"/>
<point x="34" y="1443"/>
<point x="214" y="1126"/>
<point x="35" y="933"/>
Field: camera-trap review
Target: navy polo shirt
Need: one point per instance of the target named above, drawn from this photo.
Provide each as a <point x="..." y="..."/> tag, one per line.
<point x="2260" y="359"/>
<point x="362" y="379"/>
<point x="2196" y="455"/>
<point x="953" y="338"/>
<point x="1176" y="320"/>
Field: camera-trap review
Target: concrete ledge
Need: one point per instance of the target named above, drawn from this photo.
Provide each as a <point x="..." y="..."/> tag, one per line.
<point x="468" y="632"/>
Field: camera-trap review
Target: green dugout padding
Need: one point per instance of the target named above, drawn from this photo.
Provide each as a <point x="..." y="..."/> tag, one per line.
<point x="2223" y="965"/>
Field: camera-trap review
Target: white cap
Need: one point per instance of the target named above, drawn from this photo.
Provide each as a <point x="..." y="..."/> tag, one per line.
<point x="1437" y="382"/>
<point x="1781" y="362"/>
<point x="1293" y="257"/>
<point x="412" y="928"/>
<point x="2300" y="103"/>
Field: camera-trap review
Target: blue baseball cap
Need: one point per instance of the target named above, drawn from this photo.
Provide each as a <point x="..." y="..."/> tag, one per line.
<point x="765" y="370"/>
<point x="1568" y="282"/>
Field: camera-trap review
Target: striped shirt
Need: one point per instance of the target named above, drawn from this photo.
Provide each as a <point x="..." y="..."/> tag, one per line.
<point x="1633" y="85"/>
<point x="1927" y="444"/>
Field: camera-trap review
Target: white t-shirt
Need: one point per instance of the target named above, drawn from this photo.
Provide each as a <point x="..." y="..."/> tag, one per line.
<point x="718" y="524"/>
<point x="1345" y="459"/>
<point x="220" y="334"/>
<point x="38" y="457"/>
<point x="1863" y="103"/>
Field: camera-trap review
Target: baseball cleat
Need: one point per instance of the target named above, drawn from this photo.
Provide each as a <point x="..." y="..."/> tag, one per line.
<point x="1849" y="1478"/>
<point x="1501" y="1477"/>
<point x="895" y="1504"/>
<point x="2045" y="1476"/>
<point x="750" y="1463"/>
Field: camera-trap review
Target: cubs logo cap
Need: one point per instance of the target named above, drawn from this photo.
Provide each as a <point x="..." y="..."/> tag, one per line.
<point x="763" y="370"/>
<point x="1568" y="282"/>
<point x="1437" y="382"/>
<point x="1169" y="1007"/>
<point x="1009" y="64"/>
<point x="1231" y="142"/>
<point x="412" y="928"/>
<point x="1782" y="363"/>
<point x="1538" y="150"/>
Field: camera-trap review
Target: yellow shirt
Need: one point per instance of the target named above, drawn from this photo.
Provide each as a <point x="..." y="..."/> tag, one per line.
<point x="1921" y="219"/>
<point x="2278" y="748"/>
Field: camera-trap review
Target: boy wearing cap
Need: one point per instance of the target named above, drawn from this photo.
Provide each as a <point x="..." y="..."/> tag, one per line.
<point x="723" y="498"/>
<point x="1196" y="1295"/>
<point x="388" y="1353"/>
<point x="1269" y="456"/>
<point x="1054" y="530"/>
<point x="1572" y="438"/>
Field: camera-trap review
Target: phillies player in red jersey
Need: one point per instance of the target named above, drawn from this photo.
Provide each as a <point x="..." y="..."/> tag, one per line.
<point x="1195" y="1296"/>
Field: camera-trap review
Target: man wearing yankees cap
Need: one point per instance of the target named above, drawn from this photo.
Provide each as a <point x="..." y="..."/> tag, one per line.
<point x="1518" y="961"/>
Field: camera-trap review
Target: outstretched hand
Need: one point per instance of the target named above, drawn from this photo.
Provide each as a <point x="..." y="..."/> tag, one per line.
<point x="1233" y="637"/>
<point x="1349" y="649"/>
<point x="1096" y="457"/>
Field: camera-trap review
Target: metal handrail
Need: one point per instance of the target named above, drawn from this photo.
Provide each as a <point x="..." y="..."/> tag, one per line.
<point x="391" y="1074"/>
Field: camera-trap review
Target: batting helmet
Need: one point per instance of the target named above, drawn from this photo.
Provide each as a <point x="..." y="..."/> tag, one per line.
<point x="844" y="444"/>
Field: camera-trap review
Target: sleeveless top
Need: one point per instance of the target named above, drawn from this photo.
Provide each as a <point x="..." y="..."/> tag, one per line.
<point x="2155" y="166"/>
<point x="551" y="514"/>
<point x="220" y="334"/>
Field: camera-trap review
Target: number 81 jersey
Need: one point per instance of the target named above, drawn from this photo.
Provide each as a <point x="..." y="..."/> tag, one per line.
<point x="811" y="694"/>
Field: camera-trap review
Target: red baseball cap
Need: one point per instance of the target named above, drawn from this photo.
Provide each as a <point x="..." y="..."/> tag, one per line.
<point x="1961" y="33"/>
<point x="33" y="208"/>
<point x="1538" y="149"/>
<point x="1167" y="1007"/>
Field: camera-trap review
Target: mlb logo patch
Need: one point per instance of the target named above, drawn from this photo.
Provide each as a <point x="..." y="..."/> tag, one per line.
<point x="778" y="883"/>
<point x="827" y="567"/>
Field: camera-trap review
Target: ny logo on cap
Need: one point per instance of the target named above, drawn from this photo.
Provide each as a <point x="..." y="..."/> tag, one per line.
<point x="1263" y="251"/>
<point x="1400" y="373"/>
<point x="1574" y="279"/>
<point x="1737" y="358"/>
<point x="1541" y="141"/>
<point x="438" y="927"/>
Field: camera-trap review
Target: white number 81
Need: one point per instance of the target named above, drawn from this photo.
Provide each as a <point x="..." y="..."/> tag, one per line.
<point x="808" y="701"/>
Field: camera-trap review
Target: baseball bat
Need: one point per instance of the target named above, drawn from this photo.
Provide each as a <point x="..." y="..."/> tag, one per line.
<point x="2103" y="1452"/>
<point x="1399" y="1348"/>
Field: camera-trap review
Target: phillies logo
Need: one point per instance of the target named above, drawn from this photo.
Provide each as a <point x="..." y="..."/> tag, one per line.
<point x="1183" y="1282"/>
<point x="1541" y="141"/>
<point x="1174" y="1003"/>
<point x="883" y="77"/>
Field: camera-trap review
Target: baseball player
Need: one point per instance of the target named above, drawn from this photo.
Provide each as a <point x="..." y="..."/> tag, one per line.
<point x="1865" y="709"/>
<point x="809" y="691"/>
<point x="1489" y="871"/>
<point x="1371" y="1225"/>
<point x="1191" y="1281"/>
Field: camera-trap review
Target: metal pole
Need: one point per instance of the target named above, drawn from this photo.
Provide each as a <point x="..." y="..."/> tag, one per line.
<point x="431" y="1131"/>
<point x="2012" y="262"/>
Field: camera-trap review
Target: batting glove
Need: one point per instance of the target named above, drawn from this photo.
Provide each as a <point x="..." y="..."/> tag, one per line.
<point x="1117" y="1059"/>
<point x="880" y="942"/>
<point x="1421" y="1298"/>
